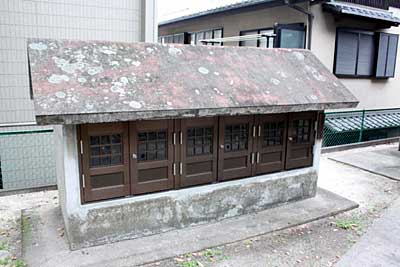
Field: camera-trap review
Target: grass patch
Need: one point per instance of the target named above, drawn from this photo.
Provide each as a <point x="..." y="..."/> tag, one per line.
<point x="191" y="263"/>
<point x="348" y="224"/>
<point x="8" y="262"/>
<point x="3" y="246"/>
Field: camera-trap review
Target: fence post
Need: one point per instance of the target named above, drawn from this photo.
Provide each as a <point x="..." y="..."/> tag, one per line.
<point x="362" y="126"/>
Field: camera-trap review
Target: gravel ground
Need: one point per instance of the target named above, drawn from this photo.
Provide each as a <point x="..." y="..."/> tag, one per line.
<point x="319" y="243"/>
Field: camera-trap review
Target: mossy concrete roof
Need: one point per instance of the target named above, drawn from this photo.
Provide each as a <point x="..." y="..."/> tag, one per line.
<point x="77" y="82"/>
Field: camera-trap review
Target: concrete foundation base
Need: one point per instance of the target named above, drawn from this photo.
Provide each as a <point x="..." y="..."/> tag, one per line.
<point x="105" y="222"/>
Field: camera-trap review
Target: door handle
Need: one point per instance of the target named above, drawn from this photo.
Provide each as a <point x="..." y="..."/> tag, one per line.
<point x="258" y="157"/>
<point x="134" y="156"/>
<point x="290" y="138"/>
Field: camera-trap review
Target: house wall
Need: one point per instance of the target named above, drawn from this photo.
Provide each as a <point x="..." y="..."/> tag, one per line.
<point x="117" y="20"/>
<point x="125" y="218"/>
<point x="232" y="24"/>
<point x="372" y="93"/>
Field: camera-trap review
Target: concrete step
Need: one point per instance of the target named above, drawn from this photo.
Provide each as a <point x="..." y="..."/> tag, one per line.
<point x="46" y="247"/>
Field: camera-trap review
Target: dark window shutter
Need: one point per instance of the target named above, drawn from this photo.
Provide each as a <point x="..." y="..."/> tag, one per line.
<point x="387" y="55"/>
<point x="382" y="55"/>
<point x="366" y="55"/>
<point x="346" y="53"/>
<point x="392" y="55"/>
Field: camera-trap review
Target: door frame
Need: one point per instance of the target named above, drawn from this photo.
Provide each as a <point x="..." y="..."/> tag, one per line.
<point x="135" y="166"/>
<point x="222" y="155"/>
<point x="307" y="162"/>
<point x="184" y="159"/>
<point x="259" y="167"/>
<point x="94" y="194"/>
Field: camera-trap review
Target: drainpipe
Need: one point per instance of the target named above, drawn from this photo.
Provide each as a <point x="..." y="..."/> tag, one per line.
<point x="310" y="18"/>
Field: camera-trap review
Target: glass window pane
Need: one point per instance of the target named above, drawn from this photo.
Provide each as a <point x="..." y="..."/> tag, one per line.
<point x="292" y="38"/>
<point x="249" y="42"/>
<point x="199" y="36"/>
<point x="192" y="38"/>
<point x="94" y="140"/>
<point x="266" y="42"/>
<point x="152" y="145"/>
<point x="200" y="141"/>
<point x="103" y="148"/>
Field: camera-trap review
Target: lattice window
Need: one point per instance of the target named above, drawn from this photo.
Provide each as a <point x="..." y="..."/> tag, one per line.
<point x="236" y="137"/>
<point x="152" y="145"/>
<point x="105" y="150"/>
<point x="301" y="129"/>
<point x="273" y="133"/>
<point x="199" y="141"/>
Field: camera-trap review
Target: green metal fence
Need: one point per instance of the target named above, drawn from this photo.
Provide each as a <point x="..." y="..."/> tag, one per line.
<point x="349" y="127"/>
<point x="27" y="159"/>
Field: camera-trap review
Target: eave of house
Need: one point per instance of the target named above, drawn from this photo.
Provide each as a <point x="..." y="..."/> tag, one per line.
<point x="384" y="17"/>
<point x="241" y="6"/>
<point x="76" y="82"/>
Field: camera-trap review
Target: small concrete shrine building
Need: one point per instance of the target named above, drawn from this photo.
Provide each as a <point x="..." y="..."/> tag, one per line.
<point x="154" y="137"/>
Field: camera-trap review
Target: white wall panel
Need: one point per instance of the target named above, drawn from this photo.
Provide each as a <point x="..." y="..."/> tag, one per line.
<point x="117" y="20"/>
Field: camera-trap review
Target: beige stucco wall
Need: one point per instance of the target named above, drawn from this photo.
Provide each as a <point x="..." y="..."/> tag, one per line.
<point x="372" y="93"/>
<point x="232" y="24"/>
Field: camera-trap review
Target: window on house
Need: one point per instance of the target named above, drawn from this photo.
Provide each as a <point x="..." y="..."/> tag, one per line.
<point x="196" y="37"/>
<point x="355" y="53"/>
<point x="267" y="42"/>
<point x="290" y="35"/>
<point x="365" y="54"/>
<point x="387" y="55"/>
<point x="179" y="38"/>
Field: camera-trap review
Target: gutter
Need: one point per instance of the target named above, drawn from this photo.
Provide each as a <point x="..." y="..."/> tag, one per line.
<point x="310" y="18"/>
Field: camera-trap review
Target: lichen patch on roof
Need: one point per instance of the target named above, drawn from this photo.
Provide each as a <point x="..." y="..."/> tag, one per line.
<point x="82" y="81"/>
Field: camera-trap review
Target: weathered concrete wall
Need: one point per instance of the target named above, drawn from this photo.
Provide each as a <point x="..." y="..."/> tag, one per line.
<point x="146" y="215"/>
<point x="126" y="218"/>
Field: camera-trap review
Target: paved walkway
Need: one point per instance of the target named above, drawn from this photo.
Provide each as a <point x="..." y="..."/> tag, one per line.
<point x="384" y="161"/>
<point x="380" y="246"/>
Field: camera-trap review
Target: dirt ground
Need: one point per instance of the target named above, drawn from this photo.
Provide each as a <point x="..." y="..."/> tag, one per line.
<point x="320" y="243"/>
<point x="10" y="216"/>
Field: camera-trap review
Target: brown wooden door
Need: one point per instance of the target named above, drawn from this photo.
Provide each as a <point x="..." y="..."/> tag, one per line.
<point x="271" y="143"/>
<point x="300" y="144"/>
<point x="235" y="147"/>
<point x="151" y="156"/>
<point x="105" y="161"/>
<point x="198" y="151"/>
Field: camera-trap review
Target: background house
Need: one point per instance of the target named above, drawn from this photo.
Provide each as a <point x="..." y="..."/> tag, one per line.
<point x="356" y="39"/>
<point x="26" y="150"/>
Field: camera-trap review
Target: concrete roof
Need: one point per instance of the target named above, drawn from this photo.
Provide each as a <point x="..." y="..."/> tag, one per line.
<point x="77" y="82"/>
<point x="231" y="7"/>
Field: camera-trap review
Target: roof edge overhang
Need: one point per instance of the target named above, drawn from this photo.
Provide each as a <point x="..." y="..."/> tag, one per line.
<point x="337" y="11"/>
<point x="234" y="8"/>
<point x="106" y="117"/>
